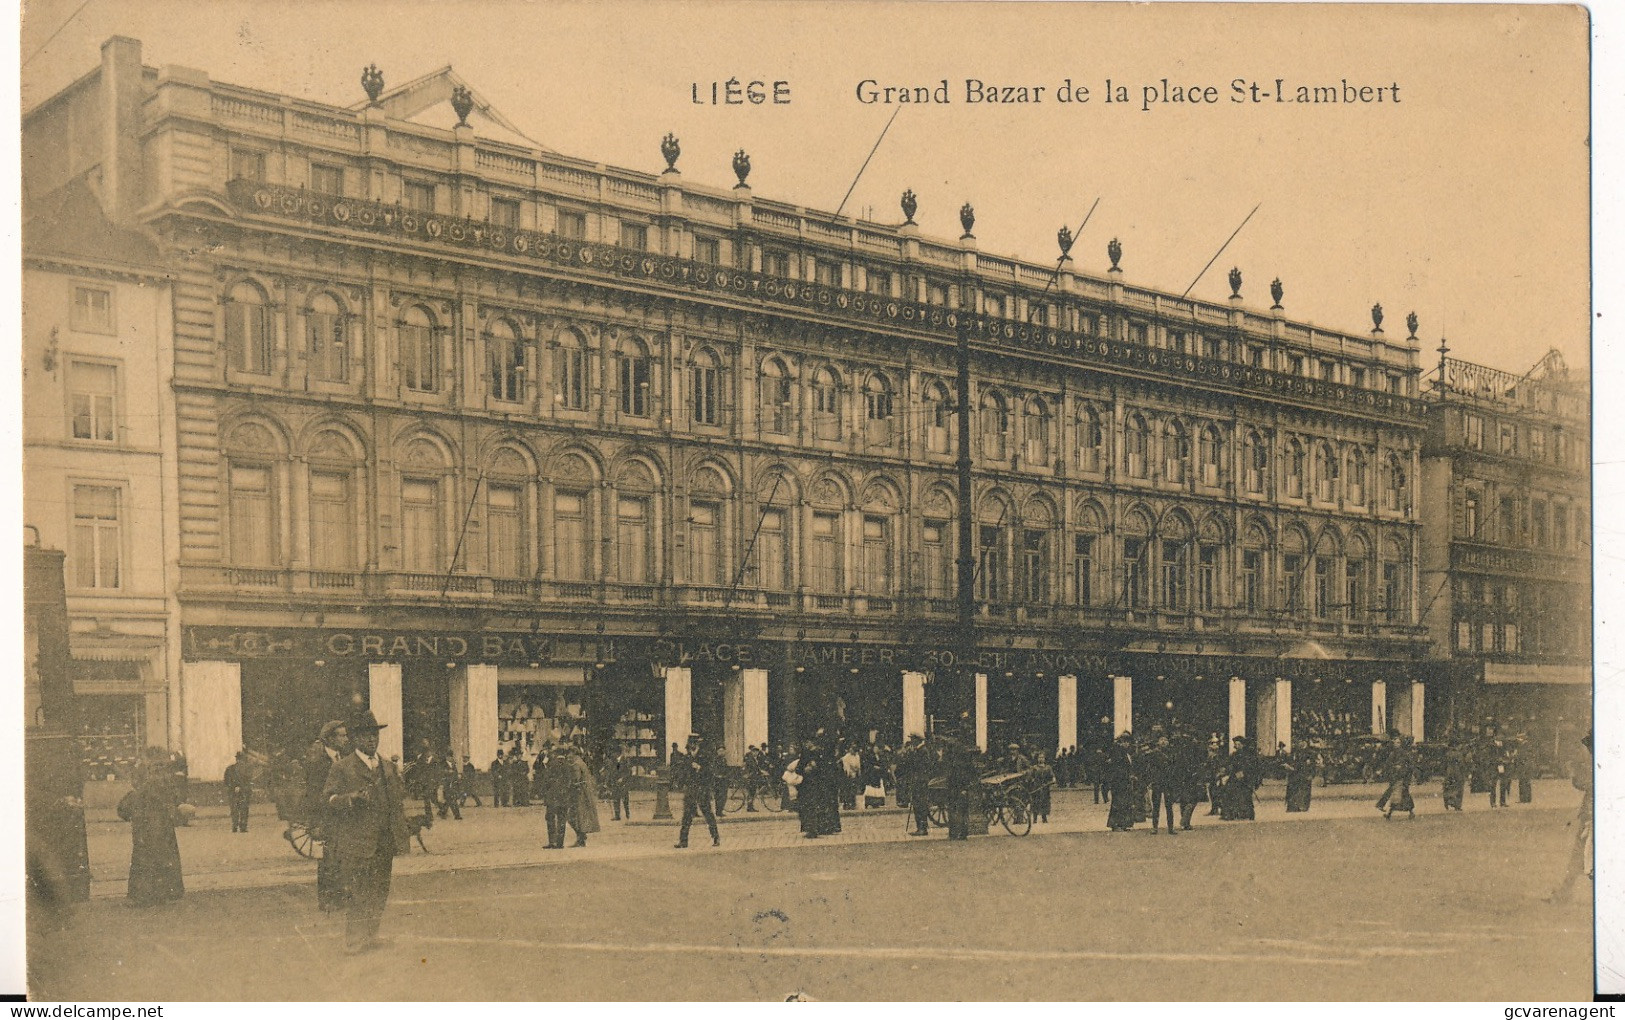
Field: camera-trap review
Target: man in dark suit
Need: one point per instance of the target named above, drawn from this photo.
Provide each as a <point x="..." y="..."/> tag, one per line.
<point x="501" y="786"/>
<point x="692" y="772"/>
<point x="333" y="744"/>
<point x="239" y="782"/>
<point x="364" y="796"/>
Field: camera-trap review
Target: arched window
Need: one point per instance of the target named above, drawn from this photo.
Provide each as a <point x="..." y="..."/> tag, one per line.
<point x="995" y="425"/>
<point x="1210" y="457"/>
<point x="1085" y="553"/>
<point x="1396" y="582"/>
<point x="704" y="389"/>
<point x="1294" y="568"/>
<point x="570" y="371"/>
<point x="1033" y="577"/>
<point x="252" y="483"/>
<point x="1392" y="482"/>
<point x="507" y="550"/>
<point x="1091" y="439"/>
<point x="774" y="404"/>
<point x="879" y="529"/>
<point x="992" y="550"/>
<point x="937" y="540"/>
<point x="1253" y="583"/>
<point x="1209" y="554"/>
<point x="1357" y="477"/>
<point x="1136" y="446"/>
<point x="505" y="362"/>
<point x="420" y="350"/>
<point x="635" y="524"/>
<point x="939" y="418"/>
<point x="1176" y="451"/>
<point x="1255" y="462"/>
<point x="1175" y="557"/>
<point x="1035" y="425"/>
<point x="1356" y="578"/>
<point x="636" y="378"/>
<point x="708" y="560"/>
<point x="573" y="528"/>
<point x="877" y="410"/>
<point x="250" y="334"/>
<point x="828" y="407"/>
<point x="1293" y="464"/>
<point x="334" y="492"/>
<point x="423" y="538"/>
<point x="1325" y="473"/>
<point x="327" y="348"/>
<point x="1136" y="537"/>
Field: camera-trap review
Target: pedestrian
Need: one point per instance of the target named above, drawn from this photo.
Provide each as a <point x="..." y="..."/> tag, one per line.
<point x="1582" y="779"/>
<point x="691" y="772"/>
<point x="616" y="782"/>
<point x="720" y="771"/>
<point x="1521" y="768"/>
<point x="1398" y="767"/>
<point x="914" y="768"/>
<point x="519" y="777"/>
<point x="365" y="795"/>
<point x="581" y="809"/>
<point x="1299" y="766"/>
<point x="1118" y="778"/>
<point x="1043" y="777"/>
<point x="961" y="778"/>
<point x="1158" y="768"/>
<point x="501" y="784"/>
<point x="239" y="783"/>
<point x="331" y="744"/>
<point x="153" y="809"/>
<point x="1456" y="767"/>
<point x="1189" y="769"/>
<point x="1242" y="774"/>
<point x="1495" y="763"/>
<point x="470" y="777"/>
<point x="851" y="770"/>
<point x="553" y="779"/>
<point x="449" y="781"/>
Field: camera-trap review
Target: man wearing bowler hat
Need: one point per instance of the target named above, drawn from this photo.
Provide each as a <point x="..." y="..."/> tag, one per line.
<point x="364" y="792"/>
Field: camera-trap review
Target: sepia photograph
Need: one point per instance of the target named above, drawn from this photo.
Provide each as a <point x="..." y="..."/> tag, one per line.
<point x="730" y="501"/>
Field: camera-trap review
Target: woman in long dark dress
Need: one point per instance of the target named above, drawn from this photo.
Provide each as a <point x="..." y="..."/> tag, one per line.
<point x="155" y="855"/>
<point x="1119" y="783"/>
<point x="1300" y="776"/>
<point x="1456" y="767"/>
<point x="1241" y="779"/>
<point x="820" y="791"/>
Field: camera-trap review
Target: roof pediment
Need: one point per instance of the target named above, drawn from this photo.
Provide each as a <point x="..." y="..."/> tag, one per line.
<point x="427" y="101"/>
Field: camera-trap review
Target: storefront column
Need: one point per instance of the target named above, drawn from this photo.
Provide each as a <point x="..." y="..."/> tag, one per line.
<point x="679" y="708"/>
<point x="1283" y="713"/>
<point x="1407" y="714"/>
<point x="1066" y="712"/>
<point x="1379" y="708"/>
<point x="913" y="705"/>
<point x="755" y="683"/>
<point x="384" y="699"/>
<point x="1238" y="708"/>
<point x="733" y="717"/>
<point x="1264" y="720"/>
<point x="1418" y="703"/>
<point x="981" y="711"/>
<point x="1122" y="705"/>
<point x="474" y="720"/>
<point x="212" y="717"/>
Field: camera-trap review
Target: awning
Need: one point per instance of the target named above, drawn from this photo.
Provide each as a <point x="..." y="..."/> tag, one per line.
<point x="1530" y="673"/>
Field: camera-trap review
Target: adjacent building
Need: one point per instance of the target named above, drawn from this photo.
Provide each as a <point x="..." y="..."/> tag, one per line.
<point x="509" y="446"/>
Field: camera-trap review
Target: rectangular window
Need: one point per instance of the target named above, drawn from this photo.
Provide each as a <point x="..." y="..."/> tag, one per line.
<point x="1135" y="593"/>
<point x="505" y="213"/>
<point x="1473" y="430"/>
<point x="326" y="179"/>
<point x="704" y="544"/>
<point x="1211" y="348"/>
<point x="1038" y="315"/>
<point x="1357" y="378"/>
<point x="995" y="305"/>
<point x="1292" y="567"/>
<point x="1328" y="371"/>
<point x="634" y="392"/>
<point x="327" y="347"/>
<point x="247" y="165"/>
<point x="572" y="378"/>
<point x="776" y="263"/>
<point x="632" y="535"/>
<point x="1354" y="582"/>
<point x="1083" y="569"/>
<point x="826" y="553"/>
<point x="1255" y="356"/>
<point x="253" y="524"/>
<point x="771" y="547"/>
<point x="420" y="358"/>
<point x="877" y="566"/>
<point x="93" y="400"/>
<point x="1509" y="439"/>
<point x="1323" y="587"/>
<point x="1470" y="515"/>
<point x="571" y="224"/>
<point x="1560" y="528"/>
<point x="1207" y="578"/>
<point x="505" y="366"/>
<point x="92" y="310"/>
<point x="1034" y="582"/>
<point x="420" y="526"/>
<point x="504" y="531"/>
<point x="990" y="565"/>
<point x="936" y="293"/>
<point x="827" y="272"/>
<point x="418" y="196"/>
<point x="1537" y="523"/>
<point x="1294" y="364"/>
<point x="938" y="560"/>
<point x="1393" y="594"/>
<point x="570" y="549"/>
<point x="704" y="393"/>
<point x="1175" y="567"/>
<point x="1511" y="530"/>
<point x="1252" y="584"/>
<point x="97" y="542"/>
<point x="249" y="336"/>
<point x="1537" y="442"/>
<point x="879" y="282"/>
<point x="332" y="521"/>
<point x="635" y="235"/>
<point x="707" y="249"/>
<point x="1396" y="383"/>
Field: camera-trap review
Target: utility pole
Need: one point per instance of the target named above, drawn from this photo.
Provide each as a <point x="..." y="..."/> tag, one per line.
<point x="961" y="693"/>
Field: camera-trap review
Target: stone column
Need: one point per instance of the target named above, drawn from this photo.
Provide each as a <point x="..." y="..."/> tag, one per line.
<point x="384" y="700"/>
<point x="1066" y="711"/>
<point x="474" y="714"/>
<point x="733" y="718"/>
<point x="1406" y="716"/>
<point x="1283" y="713"/>
<point x="1418" y="703"/>
<point x="1238" y="708"/>
<point x="1265" y="719"/>
<point x="211" y="717"/>
<point x="755" y="686"/>
<point x="679" y="708"/>
<point x="981" y="711"/>
<point x="1122" y="705"/>
<point x="1379" y="707"/>
<point x="913" y="704"/>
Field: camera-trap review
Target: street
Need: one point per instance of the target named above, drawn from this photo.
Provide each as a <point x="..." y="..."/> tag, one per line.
<point x="1339" y="904"/>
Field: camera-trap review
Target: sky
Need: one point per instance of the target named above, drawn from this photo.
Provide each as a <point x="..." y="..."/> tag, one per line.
<point x="1466" y="201"/>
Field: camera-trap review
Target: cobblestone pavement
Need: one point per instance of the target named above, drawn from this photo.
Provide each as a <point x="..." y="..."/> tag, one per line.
<point x="214" y="858"/>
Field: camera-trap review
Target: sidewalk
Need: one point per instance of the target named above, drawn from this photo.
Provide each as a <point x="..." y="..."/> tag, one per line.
<point x="215" y="858"/>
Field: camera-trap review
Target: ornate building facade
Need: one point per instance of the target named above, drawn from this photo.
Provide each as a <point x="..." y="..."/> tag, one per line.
<point x="511" y="445"/>
<point x="1506" y="573"/>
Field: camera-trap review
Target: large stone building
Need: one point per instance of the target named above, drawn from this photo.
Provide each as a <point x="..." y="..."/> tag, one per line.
<point x="1506" y="573"/>
<point x="508" y="445"/>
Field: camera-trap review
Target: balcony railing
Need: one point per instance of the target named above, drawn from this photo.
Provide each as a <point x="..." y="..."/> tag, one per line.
<point x="668" y="272"/>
